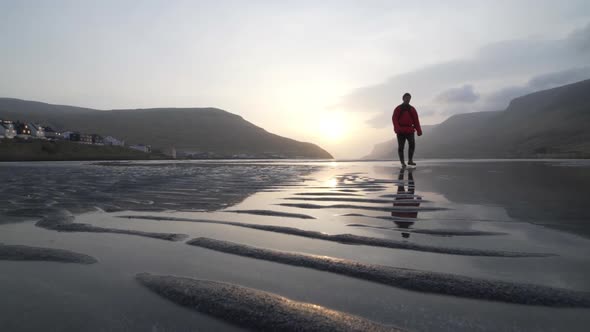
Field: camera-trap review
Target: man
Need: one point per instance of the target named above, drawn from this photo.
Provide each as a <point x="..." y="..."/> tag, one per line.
<point x="405" y="123"/>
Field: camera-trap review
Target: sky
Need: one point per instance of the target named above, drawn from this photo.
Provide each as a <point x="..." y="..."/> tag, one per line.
<point x="327" y="72"/>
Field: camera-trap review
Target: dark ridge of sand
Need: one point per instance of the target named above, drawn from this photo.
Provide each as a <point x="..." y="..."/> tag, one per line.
<point x="363" y="207"/>
<point x="346" y="190"/>
<point x="358" y="200"/>
<point x="352" y="186"/>
<point x="355" y="239"/>
<point x="326" y="194"/>
<point x="273" y="213"/>
<point x="254" y="309"/>
<point x="63" y="221"/>
<point x="396" y="182"/>
<point x="291" y="185"/>
<point x="369" y="180"/>
<point x="404" y="194"/>
<point x="401" y="196"/>
<point x="439" y="232"/>
<point x="388" y="218"/>
<point x="422" y="281"/>
<point x="26" y="253"/>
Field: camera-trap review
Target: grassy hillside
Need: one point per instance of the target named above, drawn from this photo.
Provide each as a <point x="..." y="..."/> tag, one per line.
<point x="188" y="129"/>
<point x="37" y="150"/>
<point x="546" y="124"/>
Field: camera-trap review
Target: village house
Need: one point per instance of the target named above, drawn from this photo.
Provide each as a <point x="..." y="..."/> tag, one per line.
<point x="22" y="130"/>
<point x="142" y="148"/>
<point x="85" y="139"/>
<point x="50" y="133"/>
<point x="37" y="131"/>
<point x="7" y="129"/>
<point x="71" y="136"/>
<point x="97" y="139"/>
<point x="110" y="140"/>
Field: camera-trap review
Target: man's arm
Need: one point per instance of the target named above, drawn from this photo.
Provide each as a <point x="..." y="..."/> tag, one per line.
<point x="416" y="121"/>
<point x="395" y="119"/>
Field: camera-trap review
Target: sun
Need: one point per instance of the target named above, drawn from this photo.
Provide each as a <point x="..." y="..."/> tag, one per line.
<point x="332" y="129"/>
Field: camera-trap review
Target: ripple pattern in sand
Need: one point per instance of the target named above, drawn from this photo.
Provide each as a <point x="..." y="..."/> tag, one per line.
<point x="29" y="190"/>
<point x="254" y="309"/>
<point x="28" y="253"/>
<point x="423" y="281"/>
<point x="353" y="239"/>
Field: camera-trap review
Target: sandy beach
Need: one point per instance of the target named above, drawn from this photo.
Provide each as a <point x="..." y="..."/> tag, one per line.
<point x="454" y="245"/>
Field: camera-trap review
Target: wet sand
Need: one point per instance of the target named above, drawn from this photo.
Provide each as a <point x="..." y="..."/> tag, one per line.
<point x="453" y="246"/>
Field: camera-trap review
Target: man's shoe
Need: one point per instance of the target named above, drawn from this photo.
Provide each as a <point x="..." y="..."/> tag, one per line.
<point x="411" y="163"/>
<point x="403" y="165"/>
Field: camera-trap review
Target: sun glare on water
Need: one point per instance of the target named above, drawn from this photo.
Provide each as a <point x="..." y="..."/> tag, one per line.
<point x="332" y="182"/>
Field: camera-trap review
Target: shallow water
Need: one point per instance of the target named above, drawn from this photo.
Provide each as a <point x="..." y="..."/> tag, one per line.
<point x="513" y="206"/>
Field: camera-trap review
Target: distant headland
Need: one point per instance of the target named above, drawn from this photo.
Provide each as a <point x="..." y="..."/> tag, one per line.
<point x="32" y="130"/>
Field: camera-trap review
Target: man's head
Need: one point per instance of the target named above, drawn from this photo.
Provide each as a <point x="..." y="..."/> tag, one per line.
<point x="406" y="98"/>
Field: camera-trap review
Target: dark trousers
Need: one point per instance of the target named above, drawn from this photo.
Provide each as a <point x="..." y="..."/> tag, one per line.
<point x="401" y="144"/>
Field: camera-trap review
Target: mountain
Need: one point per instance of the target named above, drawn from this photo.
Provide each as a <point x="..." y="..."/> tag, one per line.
<point x="550" y="123"/>
<point x="193" y="130"/>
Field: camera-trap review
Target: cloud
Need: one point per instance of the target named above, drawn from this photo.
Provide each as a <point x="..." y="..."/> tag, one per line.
<point x="490" y="69"/>
<point x="550" y="80"/>
<point x="462" y="95"/>
<point x="382" y="120"/>
<point x="501" y="98"/>
<point x="580" y="39"/>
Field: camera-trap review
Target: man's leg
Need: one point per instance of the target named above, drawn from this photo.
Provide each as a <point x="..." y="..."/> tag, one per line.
<point x="401" y="144"/>
<point x="412" y="147"/>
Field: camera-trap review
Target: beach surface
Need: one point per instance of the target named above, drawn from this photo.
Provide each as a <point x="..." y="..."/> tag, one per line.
<point x="453" y="245"/>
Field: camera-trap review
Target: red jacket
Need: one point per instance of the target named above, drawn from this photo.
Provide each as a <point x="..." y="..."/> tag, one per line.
<point x="406" y="121"/>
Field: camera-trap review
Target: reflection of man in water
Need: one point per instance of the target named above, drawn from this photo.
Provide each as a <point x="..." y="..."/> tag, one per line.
<point x="405" y="199"/>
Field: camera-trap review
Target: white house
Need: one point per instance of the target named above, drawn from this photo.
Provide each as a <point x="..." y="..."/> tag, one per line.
<point x="110" y="140"/>
<point x="36" y="131"/>
<point x="142" y="148"/>
<point x="7" y="129"/>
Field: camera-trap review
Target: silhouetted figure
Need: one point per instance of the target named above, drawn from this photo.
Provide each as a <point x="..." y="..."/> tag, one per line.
<point x="405" y="123"/>
<point x="405" y="198"/>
